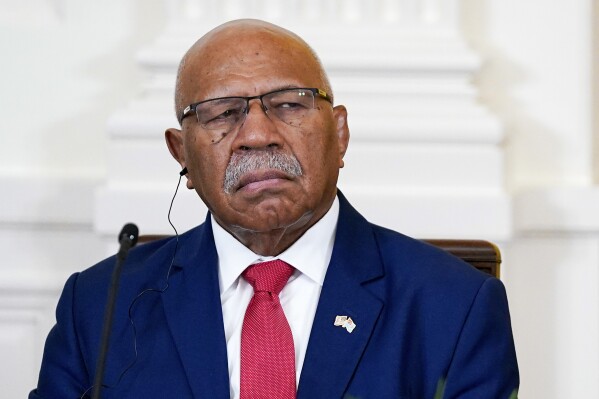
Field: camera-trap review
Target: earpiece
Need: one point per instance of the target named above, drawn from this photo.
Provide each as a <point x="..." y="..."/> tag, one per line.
<point x="183" y="172"/>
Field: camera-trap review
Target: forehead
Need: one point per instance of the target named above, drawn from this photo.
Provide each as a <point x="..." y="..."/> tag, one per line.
<point x="249" y="62"/>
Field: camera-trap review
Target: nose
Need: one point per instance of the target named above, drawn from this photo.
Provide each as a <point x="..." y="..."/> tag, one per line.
<point x="257" y="131"/>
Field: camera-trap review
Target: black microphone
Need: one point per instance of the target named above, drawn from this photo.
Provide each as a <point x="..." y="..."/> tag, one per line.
<point x="127" y="240"/>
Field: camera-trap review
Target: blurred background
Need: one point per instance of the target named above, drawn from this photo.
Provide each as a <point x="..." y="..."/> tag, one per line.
<point x="469" y="119"/>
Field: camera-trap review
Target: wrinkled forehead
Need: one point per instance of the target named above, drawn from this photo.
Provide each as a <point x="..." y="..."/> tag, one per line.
<point x="246" y="55"/>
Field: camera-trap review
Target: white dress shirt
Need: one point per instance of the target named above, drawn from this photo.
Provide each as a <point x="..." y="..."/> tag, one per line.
<point x="310" y="256"/>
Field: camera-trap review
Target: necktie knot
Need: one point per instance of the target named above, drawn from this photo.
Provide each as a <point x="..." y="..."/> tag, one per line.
<point x="268" y="276"/>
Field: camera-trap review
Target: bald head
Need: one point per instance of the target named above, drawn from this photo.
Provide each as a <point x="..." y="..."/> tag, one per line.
<point x="237" y="49"/>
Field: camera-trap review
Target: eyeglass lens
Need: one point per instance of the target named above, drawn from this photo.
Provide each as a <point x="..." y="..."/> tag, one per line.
<point x="223" y="115"/>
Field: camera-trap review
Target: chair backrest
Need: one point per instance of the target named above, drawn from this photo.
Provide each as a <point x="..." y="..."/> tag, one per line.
<point x="483" y="255"/>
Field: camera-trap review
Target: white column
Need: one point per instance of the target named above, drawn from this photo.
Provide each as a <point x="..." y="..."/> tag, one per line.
<point x="351" y="11"/>
<point x="311" y="10"/>
<point x="389" y="11"/>
<point x="273" y="9"/>
<point x="403" y="62"/>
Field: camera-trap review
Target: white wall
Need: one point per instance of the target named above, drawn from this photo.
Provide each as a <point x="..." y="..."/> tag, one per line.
<point x="74" y="71"/>
<point x="66" y="66"/>
<point x="537" y="78"/>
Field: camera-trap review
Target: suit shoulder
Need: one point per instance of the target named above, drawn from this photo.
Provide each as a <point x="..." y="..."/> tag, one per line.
<point x="417" y="260"/>
<point x="145" y="262"/>
<point x="436" y="283"/>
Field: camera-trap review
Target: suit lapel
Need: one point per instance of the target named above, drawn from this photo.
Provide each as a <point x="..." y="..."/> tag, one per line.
<point x="333" y="353"/>
<point x="193" y="312"/>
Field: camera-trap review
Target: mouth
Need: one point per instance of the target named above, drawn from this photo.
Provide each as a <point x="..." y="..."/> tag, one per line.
<point x="260" y="179"/>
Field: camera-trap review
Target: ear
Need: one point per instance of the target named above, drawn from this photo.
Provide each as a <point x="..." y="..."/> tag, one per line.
<point x="174" y="142"/>
<point x="342" y="130"/>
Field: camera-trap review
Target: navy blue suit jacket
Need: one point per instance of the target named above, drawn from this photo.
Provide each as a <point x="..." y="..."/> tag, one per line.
<point x="421" y="315"/>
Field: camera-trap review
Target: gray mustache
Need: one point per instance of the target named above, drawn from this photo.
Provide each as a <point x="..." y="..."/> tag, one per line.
<point x="240" y="164"/>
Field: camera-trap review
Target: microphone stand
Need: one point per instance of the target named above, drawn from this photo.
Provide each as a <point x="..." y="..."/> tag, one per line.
<point x="127" y="239"/>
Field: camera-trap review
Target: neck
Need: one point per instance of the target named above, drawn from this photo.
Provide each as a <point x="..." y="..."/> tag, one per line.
<point x="276" y="241"/>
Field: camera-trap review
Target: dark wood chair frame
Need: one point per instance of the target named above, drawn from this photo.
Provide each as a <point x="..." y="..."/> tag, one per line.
<point x="483" y="255"/>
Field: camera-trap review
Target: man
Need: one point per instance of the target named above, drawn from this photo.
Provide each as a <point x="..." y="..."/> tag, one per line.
<point x="355" y="310"/>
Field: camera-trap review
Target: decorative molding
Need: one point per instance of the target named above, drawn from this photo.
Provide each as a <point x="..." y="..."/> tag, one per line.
<point x="437" y="213"/>
<point x="422" y="213"/>
<point x="427" y="117"/>
<point x="61" y="199"/>
<point x="148" y="207"/>
<point x="557" y="210"/>
<point x="25" y="319"/>
<point x="32" y="14"/>
<point x="29" y="284"/>
<point x="429" y="12"/>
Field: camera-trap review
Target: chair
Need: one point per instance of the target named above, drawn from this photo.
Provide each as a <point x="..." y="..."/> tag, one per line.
<point x="483" y="255"/>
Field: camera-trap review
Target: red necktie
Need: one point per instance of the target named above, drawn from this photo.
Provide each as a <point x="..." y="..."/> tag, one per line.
<point x="267" y="351"/>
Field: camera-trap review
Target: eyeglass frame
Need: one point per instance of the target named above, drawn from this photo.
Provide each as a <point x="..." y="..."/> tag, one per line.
<point x="190" y="109"/>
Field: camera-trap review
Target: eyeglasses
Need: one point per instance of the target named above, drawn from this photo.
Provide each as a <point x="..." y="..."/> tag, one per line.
<point x="224" y="114"/>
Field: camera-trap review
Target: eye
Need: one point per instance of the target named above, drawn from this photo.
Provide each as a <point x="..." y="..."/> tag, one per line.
<point x="290" y="101"/>
<point x="227" y="114"/>
<point x="290" y="105"/>
<point x="217" y="117"/>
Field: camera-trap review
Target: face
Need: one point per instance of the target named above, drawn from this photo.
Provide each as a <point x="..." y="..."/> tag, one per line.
<point x="250" y="63"/>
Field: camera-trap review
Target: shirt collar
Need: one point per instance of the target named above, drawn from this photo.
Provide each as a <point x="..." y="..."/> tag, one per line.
<point x="310" y="254"/>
